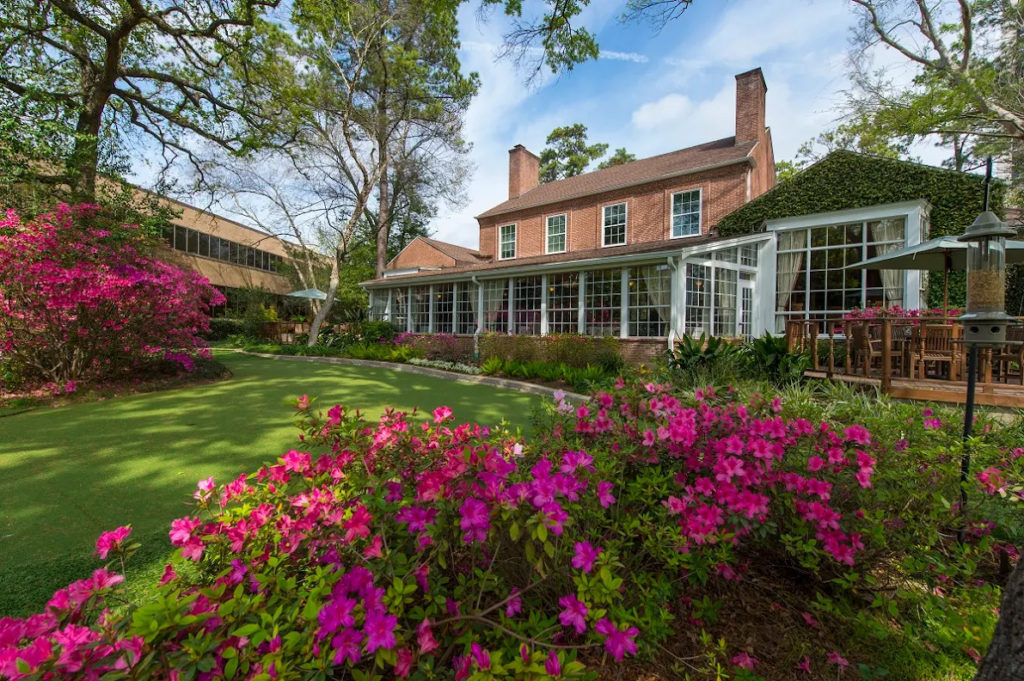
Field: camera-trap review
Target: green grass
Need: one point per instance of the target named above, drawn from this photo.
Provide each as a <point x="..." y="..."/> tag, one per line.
<point x="68" y="474"/>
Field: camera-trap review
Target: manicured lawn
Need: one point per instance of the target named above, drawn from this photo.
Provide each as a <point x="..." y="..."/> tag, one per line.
<point x="67" y="474"/>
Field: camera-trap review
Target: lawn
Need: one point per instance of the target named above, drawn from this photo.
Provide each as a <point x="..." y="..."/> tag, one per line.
<point x="67" y="474"/>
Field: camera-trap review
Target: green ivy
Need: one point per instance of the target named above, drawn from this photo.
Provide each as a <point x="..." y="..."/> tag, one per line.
<point x="844" y="180"/>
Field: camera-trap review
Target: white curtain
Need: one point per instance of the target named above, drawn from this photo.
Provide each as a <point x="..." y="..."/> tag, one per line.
<point x="789" y="264"/>
<point x="658" y="286"/>
<point x="892" y="280"/>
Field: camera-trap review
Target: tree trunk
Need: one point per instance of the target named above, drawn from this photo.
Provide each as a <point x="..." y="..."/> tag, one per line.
<point x="325" y="308"/>
<point x="85" y="156"/>
<point x="383" y="222"/>
<point x="1004" y="660"/>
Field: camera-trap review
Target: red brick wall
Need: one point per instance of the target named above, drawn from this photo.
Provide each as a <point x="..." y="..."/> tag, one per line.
<point x="421" y="254"/>
<point x="750" y="96"/>
<point x="648" y="212"/>
<point x="523" y="171"/>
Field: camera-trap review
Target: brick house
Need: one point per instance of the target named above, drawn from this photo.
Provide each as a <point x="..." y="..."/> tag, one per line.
<point x="631" y="251"/>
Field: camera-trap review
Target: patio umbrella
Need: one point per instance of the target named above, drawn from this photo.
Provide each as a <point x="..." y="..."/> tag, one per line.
<point x="944" y="253"/>
<point x="309" y="293"/>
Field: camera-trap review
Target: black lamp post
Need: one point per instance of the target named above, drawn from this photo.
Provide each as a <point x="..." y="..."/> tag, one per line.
<point x="985" y="319"/>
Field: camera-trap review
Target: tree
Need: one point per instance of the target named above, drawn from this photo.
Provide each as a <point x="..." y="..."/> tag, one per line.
<point x="968" y="89"/>
<point x="97" y="75"/>
<point x="618" y="158"/>
<point x="1004" y="660"/>
<point x="568" y="153"/>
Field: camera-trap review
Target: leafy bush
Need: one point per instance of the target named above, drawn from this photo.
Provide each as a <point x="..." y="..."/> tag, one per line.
<point x="492" y="365"/>
<point x="446" y="366"/>
<point x="514" y="348"/>
<point x="223" y="329"/>
<point x="420" y="551"/>
<point x="443" y="347"/>
<point x="80" y="301"/>
<point x="769" y="357"/>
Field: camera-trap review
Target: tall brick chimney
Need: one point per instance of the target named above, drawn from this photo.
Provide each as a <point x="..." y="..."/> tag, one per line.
<point x="523" y="171"/>
<point x="750" y="92"/>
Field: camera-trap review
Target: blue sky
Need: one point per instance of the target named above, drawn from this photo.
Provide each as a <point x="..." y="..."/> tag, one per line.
<point x="653" y="91"/>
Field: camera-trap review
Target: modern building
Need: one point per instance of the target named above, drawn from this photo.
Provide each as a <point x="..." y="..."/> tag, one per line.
<point x="234" y="257"/>
<point x="636" y="250"/>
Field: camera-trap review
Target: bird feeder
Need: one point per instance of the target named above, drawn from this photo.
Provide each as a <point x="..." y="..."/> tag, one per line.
<point x="985" y="319"/>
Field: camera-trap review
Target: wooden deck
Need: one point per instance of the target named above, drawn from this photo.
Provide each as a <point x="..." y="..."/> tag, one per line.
<point x="989" y="394"/>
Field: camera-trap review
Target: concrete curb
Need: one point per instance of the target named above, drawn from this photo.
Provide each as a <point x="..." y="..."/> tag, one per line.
<point x="456" y="377"/>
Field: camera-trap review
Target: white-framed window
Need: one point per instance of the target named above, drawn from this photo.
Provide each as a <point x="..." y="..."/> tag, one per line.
<point x="526" y="295"/>
<point x="563" y="302"/>
<point x="496" y="305"/>
<point x="421" y="309"/>
<point x="556" y="234"/>
<point x="613" y="231"/>
<point x="686" y="213"/>
<point x="650" y="296"/>
<point x="444" y="308"/>
<point x="603" y="299"/>
<point x="506" y="242"/>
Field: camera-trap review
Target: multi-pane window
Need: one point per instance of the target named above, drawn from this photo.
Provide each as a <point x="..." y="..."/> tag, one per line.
<point x="496" y="305"/>
<point x="378" y="304"/>
<point x="698" y="300"/>
<point x="650" y="296"/>
<point x="506" y="242"/>
<point x="614" y="230"/>
<point x="563" y="302"/>
<point x="556" y="234"/>
<point x="726" y="255"/>
<point x="465" y="308"/>
<point x="815" y="277"/>
<point x="399" y="307"/>
<point x="444" y="308"/>
<point x="748" y="255"/>
<point x="421" y="309"/>
<point x="686" y="213"/>
<point x="526" y="305"/>
<point x="198" y="243"/>
<point x="746" y="308"/>
<point x="603" y="303"/>
<point x="725" y="302"/>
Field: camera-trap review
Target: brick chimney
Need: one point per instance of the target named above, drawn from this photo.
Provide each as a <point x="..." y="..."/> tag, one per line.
<point x="750" y="92"/>
<point x="523" y="171"/>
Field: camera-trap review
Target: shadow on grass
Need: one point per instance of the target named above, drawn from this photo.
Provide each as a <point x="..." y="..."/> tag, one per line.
<point x="68" y="474"/>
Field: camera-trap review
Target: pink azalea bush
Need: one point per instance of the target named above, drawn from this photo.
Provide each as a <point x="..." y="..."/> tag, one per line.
<point x="432" y="549"/>
<point x="80" y="300"/>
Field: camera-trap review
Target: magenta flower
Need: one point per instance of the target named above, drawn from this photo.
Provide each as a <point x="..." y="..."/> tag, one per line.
<point x="110" y="541"/>
<point x="838" y="660"/>
<point x="618" y="642"/>
<point x="744" y="660"/>
<point x="181" y="530"/>
<point x="574" y="613"/>
<point x="476" y="520"/>
<point x="514" y="605"/>
<point x="552" y="666"/>
<point x="346" y="645"/>
<point x="585" y="556"/>
<point x="481" y="656"/>
<point x="442" y="414"/>
<point x="380" y="631"/>
<point x="804" y="665"/>
<point x="604" y="494"/>
<point x="403" y="665"/>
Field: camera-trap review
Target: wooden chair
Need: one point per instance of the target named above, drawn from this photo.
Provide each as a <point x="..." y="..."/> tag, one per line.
<point x="865" y="349"/>
<point x="935" y="344"/>
<point x="1011" y="353"/>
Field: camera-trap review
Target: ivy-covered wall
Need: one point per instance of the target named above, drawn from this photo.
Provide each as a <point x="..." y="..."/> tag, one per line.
<point x="845" y="179"/>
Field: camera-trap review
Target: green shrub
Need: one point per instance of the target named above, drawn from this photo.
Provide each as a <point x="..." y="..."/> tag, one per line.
<point x="222" y="328"/>
<point x="492" y="365"/>
<point x="769" y="357"/>
<point x="517" y="348"/>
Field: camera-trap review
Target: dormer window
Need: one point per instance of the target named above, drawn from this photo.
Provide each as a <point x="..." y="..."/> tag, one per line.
<point x="506" y="242"/>
<point x="686" y="213"/>
<point x="555" y="241"/>
<point x="613" y="232"/>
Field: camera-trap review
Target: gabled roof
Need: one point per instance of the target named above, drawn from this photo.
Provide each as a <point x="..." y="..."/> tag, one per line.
<point x="460" y="254"/>
<point x="703" y="156"/>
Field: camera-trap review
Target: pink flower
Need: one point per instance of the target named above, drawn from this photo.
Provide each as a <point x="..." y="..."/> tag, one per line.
<point x="604" y="494"/>
<point x="744" y="660"/>
<point x="110" y="541"/>
<point x="475" y="522"/>
<point x="169" y="574"/>
<point x="380" y="631"/>
<point x="618" y="642"/>
<point x="404" y="663"/>
<point x="425" y="637"/>
<point x="442" y="414"/>
<point x="481" y="656"/>
<point x="574" y="613"/>
<point x="514" y="605"/>
<point x="809" y="619"/>
<point x="374" y="548"/>
<point x="804" y="665"/>
<point x="302" y="403"/>
<point x="552" y="666"/>
<point x="346" y="644"/>
<point x="585" y="555"/>
<point x="838" y="660"/>
<point x="181" y="530"/>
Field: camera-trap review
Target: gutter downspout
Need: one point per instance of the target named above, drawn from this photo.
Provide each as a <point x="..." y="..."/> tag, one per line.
<point x="674" y="266"/>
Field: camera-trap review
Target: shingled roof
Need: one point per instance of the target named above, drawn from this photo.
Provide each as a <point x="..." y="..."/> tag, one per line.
<point x="460" y="254"/>
<point x="692" y="159"/>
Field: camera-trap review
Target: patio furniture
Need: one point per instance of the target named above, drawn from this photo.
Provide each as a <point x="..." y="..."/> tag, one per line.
<point x="935" y="345"/>
<point x="865" y="349"/>
<point x="1010" y="354"/>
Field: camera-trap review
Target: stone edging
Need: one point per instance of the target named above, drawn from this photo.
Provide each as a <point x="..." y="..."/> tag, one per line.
<point x="505" y="383"/>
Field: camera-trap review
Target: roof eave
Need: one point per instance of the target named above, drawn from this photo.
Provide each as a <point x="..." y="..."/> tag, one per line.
<point x="626" y="185"/>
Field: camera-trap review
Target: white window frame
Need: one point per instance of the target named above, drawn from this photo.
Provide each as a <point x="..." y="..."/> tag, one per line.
<point x="547" y="233"/>
<point x="625" y="225"/>
<point x="672" y="215"/>
<point x="515" y="239"/>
